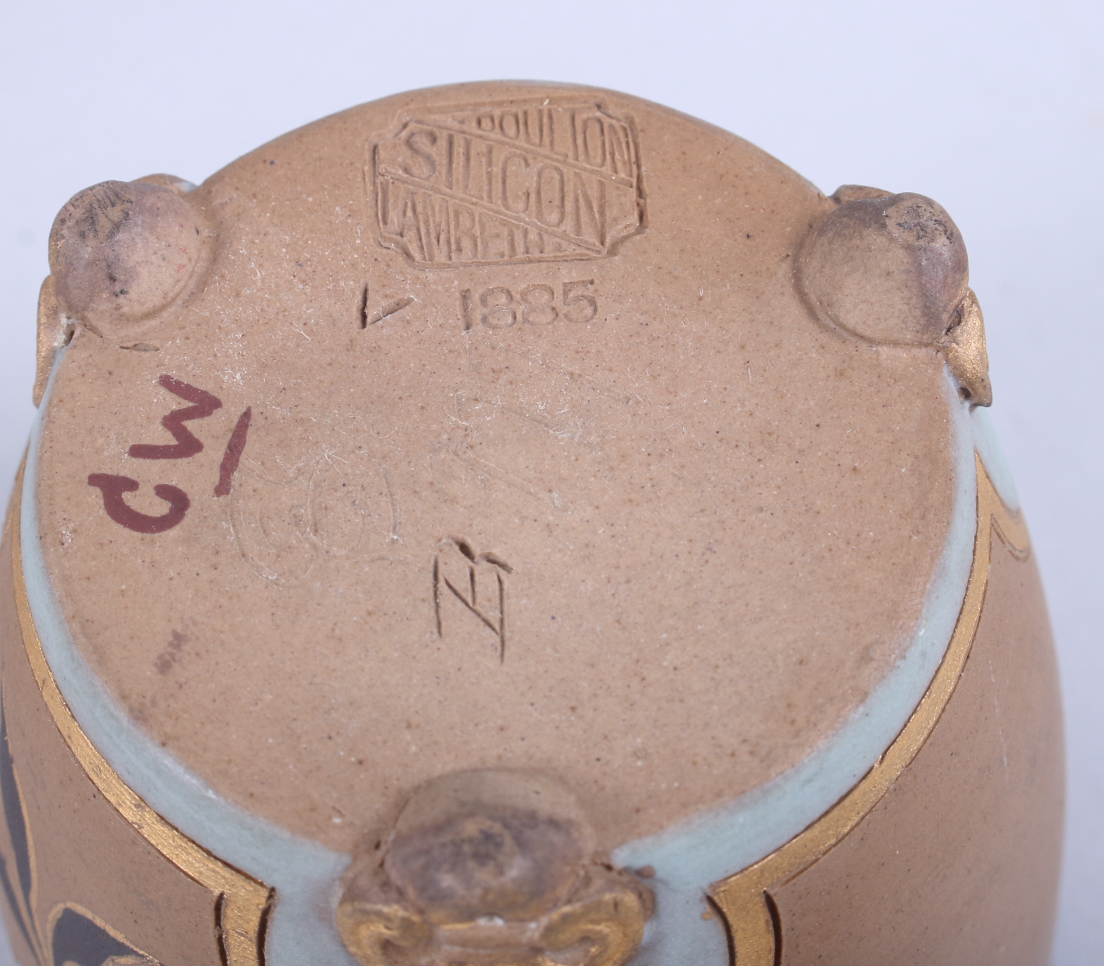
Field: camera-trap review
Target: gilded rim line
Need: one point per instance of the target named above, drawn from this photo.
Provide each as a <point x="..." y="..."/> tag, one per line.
<point x="241" y="901"/>
<point x="745" y="898"/>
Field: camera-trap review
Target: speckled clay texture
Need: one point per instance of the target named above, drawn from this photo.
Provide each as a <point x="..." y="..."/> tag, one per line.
<point x="531" y="427"/>
<point x="720" y="517"/>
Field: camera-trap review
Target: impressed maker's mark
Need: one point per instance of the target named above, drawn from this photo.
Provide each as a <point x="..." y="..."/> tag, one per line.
<point x="517" y="183"/>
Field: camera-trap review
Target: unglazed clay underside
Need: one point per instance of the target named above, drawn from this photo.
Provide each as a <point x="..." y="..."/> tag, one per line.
<point x="687" y="491"/>
<point x="527" y="465"/>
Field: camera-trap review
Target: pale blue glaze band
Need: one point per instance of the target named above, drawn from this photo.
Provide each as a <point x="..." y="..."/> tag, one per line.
<point x="992" y="457"/>
<point x="687" y="857"/>
<point x="306" y="875"/>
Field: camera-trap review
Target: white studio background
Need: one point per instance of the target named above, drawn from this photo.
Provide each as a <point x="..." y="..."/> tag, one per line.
<point x="996" y="109"/>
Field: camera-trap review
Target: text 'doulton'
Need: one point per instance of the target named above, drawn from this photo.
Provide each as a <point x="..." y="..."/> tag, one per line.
<point x="516" y="183"/>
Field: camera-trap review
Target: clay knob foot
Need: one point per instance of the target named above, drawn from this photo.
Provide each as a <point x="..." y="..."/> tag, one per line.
<point x="490" y="867"/>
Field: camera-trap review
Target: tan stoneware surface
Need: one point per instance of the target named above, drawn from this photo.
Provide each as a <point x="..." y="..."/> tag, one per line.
<point x="543" y="430"/>
<point x="959" y="862"/>
<point x="686" y="488"/>
<point x="82" y="853"/>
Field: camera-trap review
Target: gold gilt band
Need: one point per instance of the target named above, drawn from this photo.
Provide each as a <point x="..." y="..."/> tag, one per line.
<point x="241" y="900"/>
<point x="745" y="898"/>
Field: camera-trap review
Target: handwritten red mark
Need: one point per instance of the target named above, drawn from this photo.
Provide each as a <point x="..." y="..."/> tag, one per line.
<point x="232" y="456"/>
<point x="187" y="444"/>
<point x="114" y="487"/>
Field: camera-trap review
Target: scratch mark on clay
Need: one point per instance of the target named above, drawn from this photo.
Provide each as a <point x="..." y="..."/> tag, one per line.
<point x="394" y="501"/>
<point x="997" y="717"/>
<point x="362" y="307"/>
<point x="437" y="594"/>
<point x="478" y="354"/>
<point x="463" y="452"/>
<point x="390" y="309"/>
